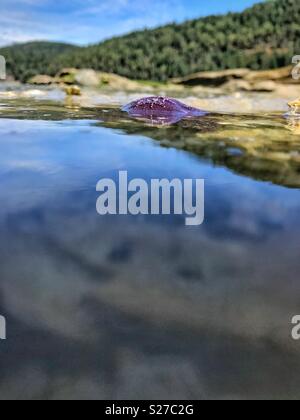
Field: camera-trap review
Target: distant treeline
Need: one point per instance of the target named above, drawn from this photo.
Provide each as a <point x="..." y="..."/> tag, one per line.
<point x="262" y="37"/>
<point x="27" y="60"/>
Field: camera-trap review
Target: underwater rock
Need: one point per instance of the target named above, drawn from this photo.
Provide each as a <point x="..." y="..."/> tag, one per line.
<point x="162" y="110"/>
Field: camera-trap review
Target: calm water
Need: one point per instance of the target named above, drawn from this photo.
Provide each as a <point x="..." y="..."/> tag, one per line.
<point x="144" y="307"/>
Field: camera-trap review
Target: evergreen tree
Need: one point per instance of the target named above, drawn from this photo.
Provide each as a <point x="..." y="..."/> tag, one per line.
<point x="264" y="36"/>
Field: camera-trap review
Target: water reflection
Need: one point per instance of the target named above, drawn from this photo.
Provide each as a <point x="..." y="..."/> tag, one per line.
<point x="145" y="307"/>
<point x="260" y="147"/>
<point x="294" y="124"/>
<point x="263" y="147"/>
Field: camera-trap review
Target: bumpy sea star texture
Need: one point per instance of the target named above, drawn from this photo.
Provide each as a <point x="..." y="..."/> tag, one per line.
<point x="162" y="110"/>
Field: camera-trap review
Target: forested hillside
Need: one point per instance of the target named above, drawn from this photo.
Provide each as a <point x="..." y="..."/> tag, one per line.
<point x="264" y="36"/>
<point x="27" y="60"/>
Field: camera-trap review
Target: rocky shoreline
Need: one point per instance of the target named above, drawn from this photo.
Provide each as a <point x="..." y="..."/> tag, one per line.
<point x="235" y="80"/>
<point x="229" y="91"/>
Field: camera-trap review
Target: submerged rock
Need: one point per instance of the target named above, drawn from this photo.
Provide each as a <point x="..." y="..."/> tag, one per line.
<point x="162" y="110"/>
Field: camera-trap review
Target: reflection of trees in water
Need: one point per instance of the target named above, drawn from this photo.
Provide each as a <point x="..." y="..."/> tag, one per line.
<point x="110" y="309"/>
<point x="262" y="147"/>
<point x="259" y="147"/>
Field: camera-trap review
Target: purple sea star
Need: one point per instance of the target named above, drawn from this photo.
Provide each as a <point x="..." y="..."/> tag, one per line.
<point x="162" y="110"/>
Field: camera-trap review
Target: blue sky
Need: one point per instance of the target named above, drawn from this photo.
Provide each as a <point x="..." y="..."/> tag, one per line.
<point x="89" y="21"/>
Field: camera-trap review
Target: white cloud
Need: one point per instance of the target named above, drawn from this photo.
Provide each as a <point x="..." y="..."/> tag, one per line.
<point x="90" y="21"/>
<point x="92" y="7"/>
<point x="80" y="21"/>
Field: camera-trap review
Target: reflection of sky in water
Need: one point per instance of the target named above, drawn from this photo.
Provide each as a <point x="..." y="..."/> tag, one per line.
<point x="45" y="163"/>
<point x="152" y="298"/>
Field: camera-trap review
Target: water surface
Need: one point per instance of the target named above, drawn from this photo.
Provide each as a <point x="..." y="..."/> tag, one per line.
<point x="144" y="307"/>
